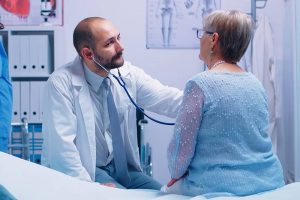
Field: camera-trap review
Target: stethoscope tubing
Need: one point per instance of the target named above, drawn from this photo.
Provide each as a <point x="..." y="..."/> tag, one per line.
<point x="123" y="85"/>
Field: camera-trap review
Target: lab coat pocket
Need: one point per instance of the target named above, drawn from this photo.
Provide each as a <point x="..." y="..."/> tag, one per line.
<point x="125" y="112"/>
<point x="127" y="116"/>
<point x="122" y="112"/>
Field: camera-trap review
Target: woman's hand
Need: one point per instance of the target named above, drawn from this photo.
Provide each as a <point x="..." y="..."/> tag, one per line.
<point x="172" y="181"/>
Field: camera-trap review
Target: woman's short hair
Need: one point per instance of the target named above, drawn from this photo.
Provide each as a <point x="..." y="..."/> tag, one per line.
<point x="235" y="30"/>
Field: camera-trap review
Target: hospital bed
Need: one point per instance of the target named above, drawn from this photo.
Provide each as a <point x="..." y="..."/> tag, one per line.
<point x="24" y="180"/>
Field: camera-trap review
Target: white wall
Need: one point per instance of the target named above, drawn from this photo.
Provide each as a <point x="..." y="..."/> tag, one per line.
<point x="287" y="150"/>
<point x="171" y="67"/>
<point x="296" y="89"/>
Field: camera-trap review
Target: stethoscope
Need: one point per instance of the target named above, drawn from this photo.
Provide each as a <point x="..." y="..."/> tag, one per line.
<point x="123" y="85"/>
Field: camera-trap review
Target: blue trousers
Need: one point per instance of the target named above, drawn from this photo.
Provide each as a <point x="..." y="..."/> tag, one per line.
<point x="138" y="180"/>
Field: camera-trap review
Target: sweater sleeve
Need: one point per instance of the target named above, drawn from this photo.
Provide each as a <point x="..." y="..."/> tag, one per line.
<point x="182" y="146"/>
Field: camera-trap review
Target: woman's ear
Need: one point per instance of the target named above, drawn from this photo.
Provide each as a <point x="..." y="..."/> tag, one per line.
<point x="215" y="37"/>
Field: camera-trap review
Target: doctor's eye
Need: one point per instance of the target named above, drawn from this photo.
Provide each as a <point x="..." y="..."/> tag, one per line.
<point x="109" y="43"/>
<point x="119" y="37"/>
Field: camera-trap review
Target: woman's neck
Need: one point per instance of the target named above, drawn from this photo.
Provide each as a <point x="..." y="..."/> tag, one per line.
<point x="223" y="66"/>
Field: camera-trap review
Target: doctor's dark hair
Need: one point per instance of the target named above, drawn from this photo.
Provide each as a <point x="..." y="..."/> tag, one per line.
<point x="235" y="31"/>
<point x="83" y="35"/>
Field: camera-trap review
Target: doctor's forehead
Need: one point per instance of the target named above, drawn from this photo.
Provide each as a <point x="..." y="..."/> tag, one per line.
<point x="105" y="30"/>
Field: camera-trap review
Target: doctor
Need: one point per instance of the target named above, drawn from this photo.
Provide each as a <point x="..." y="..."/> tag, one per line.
<point x="76" y="127"/>
<point x="5" y="98"/>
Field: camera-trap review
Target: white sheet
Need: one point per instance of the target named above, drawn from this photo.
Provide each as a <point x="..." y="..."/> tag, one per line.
<point x="26" y="180"/>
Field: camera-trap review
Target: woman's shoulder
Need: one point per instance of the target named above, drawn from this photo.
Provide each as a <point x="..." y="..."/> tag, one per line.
<point x="205" y="77"/>
<point x="210" y="80"/>
<point x="208" y="75"/>
<point x="201" y="76"/>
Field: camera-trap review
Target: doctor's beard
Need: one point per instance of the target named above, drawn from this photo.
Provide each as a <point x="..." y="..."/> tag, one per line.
<point x="115" y="62"/>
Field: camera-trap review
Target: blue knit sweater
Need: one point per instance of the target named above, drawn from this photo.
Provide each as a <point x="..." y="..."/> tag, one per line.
<point x="229" y="150"/>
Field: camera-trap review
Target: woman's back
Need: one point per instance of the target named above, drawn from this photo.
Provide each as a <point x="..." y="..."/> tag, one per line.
<point x="233" y="152"/>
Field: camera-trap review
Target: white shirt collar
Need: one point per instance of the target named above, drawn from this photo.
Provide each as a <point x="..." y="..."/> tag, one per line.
<point x="93" y="79"/>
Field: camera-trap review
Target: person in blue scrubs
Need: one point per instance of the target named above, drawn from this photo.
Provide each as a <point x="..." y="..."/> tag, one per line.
<point x="5" y="98"/>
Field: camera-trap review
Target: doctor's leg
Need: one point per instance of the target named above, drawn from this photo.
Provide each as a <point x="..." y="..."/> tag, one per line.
<point x="103" y="177"/>
<point x="139" y="180"/>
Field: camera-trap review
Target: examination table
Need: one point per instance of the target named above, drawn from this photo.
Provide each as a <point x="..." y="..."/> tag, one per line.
<point x="21" y="179"/>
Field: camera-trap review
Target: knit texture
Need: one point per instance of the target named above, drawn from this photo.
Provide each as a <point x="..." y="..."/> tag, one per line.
<point x="233" y="152"/>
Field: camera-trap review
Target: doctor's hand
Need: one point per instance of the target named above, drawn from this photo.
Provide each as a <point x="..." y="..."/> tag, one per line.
<point x="109" y="185"/>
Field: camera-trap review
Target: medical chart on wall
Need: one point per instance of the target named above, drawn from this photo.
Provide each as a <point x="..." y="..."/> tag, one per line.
<point x="173" y="23"/>
<point x="31" y="12"/>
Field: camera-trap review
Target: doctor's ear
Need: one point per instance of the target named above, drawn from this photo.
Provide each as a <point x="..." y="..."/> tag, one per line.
<point x="86" y="53"/>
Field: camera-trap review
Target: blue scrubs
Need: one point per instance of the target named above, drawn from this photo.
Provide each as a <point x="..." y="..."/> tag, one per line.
<point x="5" y="100"/>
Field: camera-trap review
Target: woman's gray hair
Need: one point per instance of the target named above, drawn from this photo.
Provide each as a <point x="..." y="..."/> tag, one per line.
<point x="235" y="30"/>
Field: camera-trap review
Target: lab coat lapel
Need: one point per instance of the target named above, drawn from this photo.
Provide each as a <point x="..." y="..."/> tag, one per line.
<point x="121" y="101"/>
<point x="127" y="79"/>
<point x="85" y="106"/>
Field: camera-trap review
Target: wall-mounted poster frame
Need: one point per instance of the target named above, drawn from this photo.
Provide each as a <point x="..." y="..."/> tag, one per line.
<point x="31" y="12"/>
<point x="172" y="24"/>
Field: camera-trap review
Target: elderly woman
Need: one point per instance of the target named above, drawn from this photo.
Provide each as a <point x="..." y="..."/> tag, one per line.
<point x="220" y="144"/>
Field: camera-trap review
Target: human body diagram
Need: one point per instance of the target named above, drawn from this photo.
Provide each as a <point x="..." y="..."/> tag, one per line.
<point x="169" y="10"/>
<point x="165" y="10"/>
<point x="203" y="7"/>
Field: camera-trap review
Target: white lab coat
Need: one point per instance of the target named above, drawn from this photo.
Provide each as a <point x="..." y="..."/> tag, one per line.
<point x="263" y="60"/>
<point x="69" y="124"/>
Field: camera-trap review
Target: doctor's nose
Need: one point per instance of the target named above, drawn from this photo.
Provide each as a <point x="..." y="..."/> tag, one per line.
<point x="119" y="46"/>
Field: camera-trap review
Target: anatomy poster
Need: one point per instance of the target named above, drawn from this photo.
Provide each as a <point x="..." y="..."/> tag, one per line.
<point x="173" y="23"/>
<point x="31" y="12"/>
